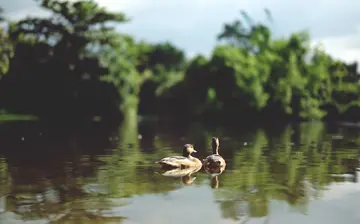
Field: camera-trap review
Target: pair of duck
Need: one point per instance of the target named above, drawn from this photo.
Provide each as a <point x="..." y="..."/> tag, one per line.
<point x="188" y="161"/>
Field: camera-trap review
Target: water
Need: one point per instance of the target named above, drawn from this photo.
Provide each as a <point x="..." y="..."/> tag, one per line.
<point x="295" y="174"/>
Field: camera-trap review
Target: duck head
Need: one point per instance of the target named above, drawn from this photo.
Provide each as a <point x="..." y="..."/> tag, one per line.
<point x="188" y="150"/>
<point x="215" y="145"/>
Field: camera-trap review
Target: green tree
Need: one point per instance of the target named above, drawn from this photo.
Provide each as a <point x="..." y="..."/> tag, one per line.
<point x="167" y="64"/>
<point x="59" y="56"/>
<point x="6" y="49"/>
<point x="122" y="59"/>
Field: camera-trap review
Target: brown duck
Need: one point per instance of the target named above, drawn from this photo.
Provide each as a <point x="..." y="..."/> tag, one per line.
<point x="214" y="160"/>
<point x="184" y="161"/>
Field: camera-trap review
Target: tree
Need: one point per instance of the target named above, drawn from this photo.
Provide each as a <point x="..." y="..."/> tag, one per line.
<point x="59" y="56"/>
<point x="75" y="30"/>
<point x="6" y="49"/>
<point x="254" y="38"/>
<point x="121" y="57"/>
<point x="167" y="64"/>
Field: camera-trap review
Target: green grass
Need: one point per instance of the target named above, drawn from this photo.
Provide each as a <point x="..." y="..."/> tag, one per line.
<point x="16" y="117"/>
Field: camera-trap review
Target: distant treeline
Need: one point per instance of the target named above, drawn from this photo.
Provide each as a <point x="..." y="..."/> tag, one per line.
<point x="75" y="65"/>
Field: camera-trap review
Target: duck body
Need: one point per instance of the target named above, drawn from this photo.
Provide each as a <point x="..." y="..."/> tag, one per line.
<point x="184" y="161"/>
<point x="179" y="162"/>
<point x="214" y="160"/>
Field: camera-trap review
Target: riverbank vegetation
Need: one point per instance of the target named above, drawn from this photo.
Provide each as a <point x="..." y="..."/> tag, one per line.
<point x="75" y="65"/>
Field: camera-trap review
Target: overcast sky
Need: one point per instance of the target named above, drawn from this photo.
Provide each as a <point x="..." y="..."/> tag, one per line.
<point x="193" y="24"/>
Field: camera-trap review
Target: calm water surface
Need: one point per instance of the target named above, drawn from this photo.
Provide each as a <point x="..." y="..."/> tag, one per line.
<point x="304" y="173"/>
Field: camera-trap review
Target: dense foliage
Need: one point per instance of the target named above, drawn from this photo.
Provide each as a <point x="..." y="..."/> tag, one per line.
<point x="75" y="65"/>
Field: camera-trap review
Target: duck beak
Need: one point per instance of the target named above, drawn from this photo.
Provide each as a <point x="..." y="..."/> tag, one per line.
<point x="195" y="151"/>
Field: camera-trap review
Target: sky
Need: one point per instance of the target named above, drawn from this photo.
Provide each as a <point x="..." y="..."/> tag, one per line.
<point x="193" y="24"/>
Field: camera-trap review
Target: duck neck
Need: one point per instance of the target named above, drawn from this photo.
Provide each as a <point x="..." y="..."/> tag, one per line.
<point x="215" y="149"/>
<point x="186" y="154"/>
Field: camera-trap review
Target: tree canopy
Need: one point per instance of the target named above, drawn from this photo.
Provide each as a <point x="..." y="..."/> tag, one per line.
<point x="75" y="64"/>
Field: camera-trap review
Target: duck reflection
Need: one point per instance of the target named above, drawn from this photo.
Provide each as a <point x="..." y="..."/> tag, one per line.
<point x="185" y="174"/>
<point x="214" y="172"/>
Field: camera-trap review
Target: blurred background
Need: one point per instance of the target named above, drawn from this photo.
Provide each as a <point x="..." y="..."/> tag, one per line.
<point x="92" y="92"/>
<point x="86" y="61"/>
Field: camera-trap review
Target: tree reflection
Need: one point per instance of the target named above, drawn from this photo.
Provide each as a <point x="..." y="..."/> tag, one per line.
<point x="295" y="166"/>
<point x="292" y="166"/>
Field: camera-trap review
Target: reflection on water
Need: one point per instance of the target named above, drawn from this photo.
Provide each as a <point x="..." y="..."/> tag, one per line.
<point x="303" y="173"/>
<point x="214" y="172"/>
<point x="184" y="174"/>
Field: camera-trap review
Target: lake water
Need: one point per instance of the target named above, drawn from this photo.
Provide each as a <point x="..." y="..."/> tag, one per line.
<point x="300" y="173"/>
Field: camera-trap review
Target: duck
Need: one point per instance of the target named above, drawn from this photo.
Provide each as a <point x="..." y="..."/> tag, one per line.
<point x="184" y="161"/>
<point x="214" y="160"/>
<point x="214" y="172"/>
